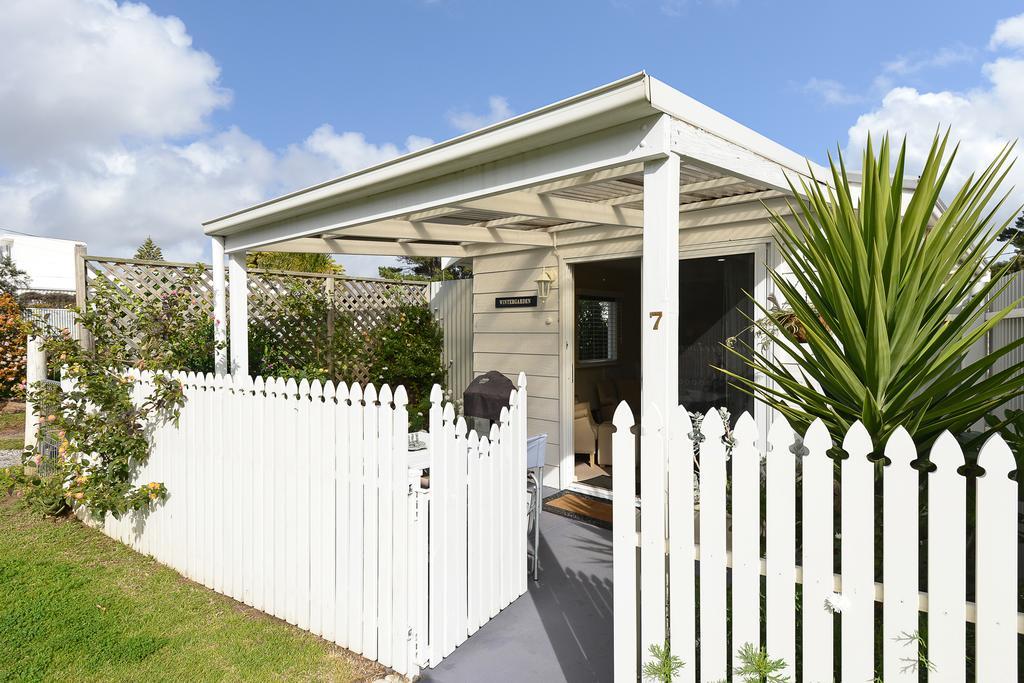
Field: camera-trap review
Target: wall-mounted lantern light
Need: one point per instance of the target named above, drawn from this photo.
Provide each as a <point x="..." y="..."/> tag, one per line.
<point x="544" y="285"/>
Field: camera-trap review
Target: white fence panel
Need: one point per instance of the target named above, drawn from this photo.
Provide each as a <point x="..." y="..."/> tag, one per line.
<point x="330" y="528"/>
<point x="732" y="541"/>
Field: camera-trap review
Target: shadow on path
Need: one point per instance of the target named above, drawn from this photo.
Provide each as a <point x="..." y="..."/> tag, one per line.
<point x="561" y="630"/>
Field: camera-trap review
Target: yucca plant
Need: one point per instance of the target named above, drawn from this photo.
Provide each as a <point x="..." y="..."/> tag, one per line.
<point x="890" y="296"/>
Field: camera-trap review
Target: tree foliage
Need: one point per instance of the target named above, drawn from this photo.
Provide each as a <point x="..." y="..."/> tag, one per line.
<point x="407" y="351"/>
<point x="12" y="279"/>
<point x="891" y="299"/>
<point x="425" y="268"/>
<point x="299" y="263"/>
<point x="149" y="251"/>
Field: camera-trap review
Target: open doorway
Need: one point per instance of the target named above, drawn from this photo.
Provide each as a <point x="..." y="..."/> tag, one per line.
<point x="714" y="309"/>
<point x="606" y="360"/>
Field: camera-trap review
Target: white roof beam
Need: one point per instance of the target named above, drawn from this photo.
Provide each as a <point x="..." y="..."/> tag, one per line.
<point x="446" y="232"/>
<point x="710" y="151"/>
<point x="316" y="245"/>
<point x="688" y="188"/>
<point x="569" y="210"/>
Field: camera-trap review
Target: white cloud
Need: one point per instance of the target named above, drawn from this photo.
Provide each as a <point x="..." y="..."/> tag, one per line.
<point x="1009" y="33"/>
<point x="94" y="72"/>
<point x="104" y="135"/>
<point x="831" y="92"/>
<point x="466" y="121"/>
<point x="983" y="119"/>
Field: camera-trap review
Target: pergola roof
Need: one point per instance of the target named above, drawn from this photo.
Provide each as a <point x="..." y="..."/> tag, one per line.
<point x="553" y="173"/>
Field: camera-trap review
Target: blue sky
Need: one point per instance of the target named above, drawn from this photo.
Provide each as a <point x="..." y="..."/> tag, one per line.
<point x="391" y="68"/>
<point x="124" y="120"/>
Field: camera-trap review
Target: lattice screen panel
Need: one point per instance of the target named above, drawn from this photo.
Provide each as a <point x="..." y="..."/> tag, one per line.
<point x="295" y="312"/>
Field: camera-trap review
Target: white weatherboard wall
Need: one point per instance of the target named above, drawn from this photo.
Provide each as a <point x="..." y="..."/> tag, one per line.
<point x="297" y="500"/>
<point x="730" y="541"/>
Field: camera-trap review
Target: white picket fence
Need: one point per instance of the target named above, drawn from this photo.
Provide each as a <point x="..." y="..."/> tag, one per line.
<point x="729" y="554"/>
<point x="298" y="500"/>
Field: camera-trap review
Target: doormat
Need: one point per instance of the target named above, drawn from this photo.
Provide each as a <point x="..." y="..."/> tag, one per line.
<point x="581" y="507"/>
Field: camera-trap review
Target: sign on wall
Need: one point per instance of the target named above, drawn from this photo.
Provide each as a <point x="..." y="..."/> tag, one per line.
<point x="515" y="301"/>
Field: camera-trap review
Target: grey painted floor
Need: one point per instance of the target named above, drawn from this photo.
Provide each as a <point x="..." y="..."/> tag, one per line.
<point x="561" y="630"/>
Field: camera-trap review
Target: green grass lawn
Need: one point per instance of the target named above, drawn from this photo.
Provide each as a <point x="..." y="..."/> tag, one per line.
<point x="12" y="430"/>
<point x="76" y="605"/>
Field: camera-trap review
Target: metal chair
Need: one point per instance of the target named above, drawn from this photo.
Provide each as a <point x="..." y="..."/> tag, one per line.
<point x="535" y="447"/>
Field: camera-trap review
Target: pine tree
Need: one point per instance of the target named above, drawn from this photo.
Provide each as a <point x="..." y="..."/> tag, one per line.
<point x="149" y="251"/>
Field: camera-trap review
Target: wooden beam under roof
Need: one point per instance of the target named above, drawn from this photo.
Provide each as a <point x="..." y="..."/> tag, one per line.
<point x="316" y="245"/>
<point x="547" y="206"/>
<point x="445" y="232"/>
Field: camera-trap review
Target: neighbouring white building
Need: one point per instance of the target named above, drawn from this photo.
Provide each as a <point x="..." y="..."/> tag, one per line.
<point x="49" y="262"/>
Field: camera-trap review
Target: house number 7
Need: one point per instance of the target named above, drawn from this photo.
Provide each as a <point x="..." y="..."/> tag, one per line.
<point x="657" y="318"/>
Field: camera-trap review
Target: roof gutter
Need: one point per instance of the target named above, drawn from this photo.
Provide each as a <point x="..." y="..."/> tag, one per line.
<point x="618" y="102"/>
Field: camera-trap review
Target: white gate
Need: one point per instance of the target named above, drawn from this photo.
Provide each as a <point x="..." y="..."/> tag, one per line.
<point x="721" y="494"/>
<point x="299" y="500"/>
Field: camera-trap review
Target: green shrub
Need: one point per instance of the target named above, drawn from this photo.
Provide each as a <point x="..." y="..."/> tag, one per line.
<point x="407" y="351"/>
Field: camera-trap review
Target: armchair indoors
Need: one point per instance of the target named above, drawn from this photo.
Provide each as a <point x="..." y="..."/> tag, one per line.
<point x="584" y="430"/>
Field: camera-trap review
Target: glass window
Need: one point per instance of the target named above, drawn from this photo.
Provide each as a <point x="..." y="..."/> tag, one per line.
<point x="597" y="329"/>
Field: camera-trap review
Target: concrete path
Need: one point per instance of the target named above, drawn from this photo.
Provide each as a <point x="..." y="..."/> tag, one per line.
<point x="561" y="630"/>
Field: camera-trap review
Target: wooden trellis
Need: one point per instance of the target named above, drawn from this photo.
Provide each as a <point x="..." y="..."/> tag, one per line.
<point x="297" y="312"/>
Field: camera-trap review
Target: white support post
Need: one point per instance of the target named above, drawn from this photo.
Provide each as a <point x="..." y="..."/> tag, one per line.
<point x="35" y="371"/>
<point x="239" y="320"/>
<point x="220" y="318"/>
<point x="660" y="377"/>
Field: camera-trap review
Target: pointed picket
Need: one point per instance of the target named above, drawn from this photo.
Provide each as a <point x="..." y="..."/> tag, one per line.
<point x="818" y="559"/>
<point x="494" y="541"/>
<point x="245" y="462"/>
<point x="437" y="439"/>
<point x="476" y="572"/>
<point x="357" y="487"/>
<point x="343" y="546"/>
<point x="947" y="562"/>
<point x="900" y="516"/>
<point x="288" y="529"/>
<point x="313" y="472"/>
<point x="713" y="655"/>
<point x="681" y="517"/>
<point x="996" y="653"/>
<point x="858" y="557"/>
<point x="371" y="471"/>
<point x="385" y="548"/>
<point x="746" y="536"/>
<point x="506" y="495"/>
<point x="328" y="514"/>
<point x="273" y="504"/>
<point x="261" y="478"/>
<point x="780" y="549"/>
<point x="402" y="575"/>
<point x="624" y="544"/>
